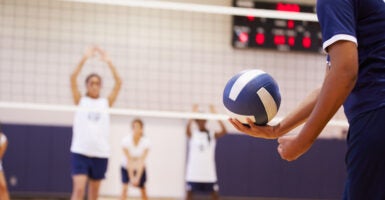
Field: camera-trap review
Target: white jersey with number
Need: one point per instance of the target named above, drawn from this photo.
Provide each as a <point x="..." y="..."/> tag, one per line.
<point x="201" y="158"/>
<point x="91" y="128"/>
<point x="136" y="151"/>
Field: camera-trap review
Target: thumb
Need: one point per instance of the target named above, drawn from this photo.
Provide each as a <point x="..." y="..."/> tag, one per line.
<point x="280" y="149"/>
<point x="281" y="140"/>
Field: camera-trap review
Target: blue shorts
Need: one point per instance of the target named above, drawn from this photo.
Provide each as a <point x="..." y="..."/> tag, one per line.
<point x="126" y="177"/>
<point x="204" y="188"/>
<point x="94" y="168"/>
<point x="365" y="158"/>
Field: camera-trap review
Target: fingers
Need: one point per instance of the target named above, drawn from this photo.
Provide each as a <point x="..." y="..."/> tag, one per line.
<point x="212" y="108"/>
<point x="89" y="52"/>
<point x="102" y="53"/>
<point x="250" y="129"/>
<point x="251" y="123"/>
<point x="280" y="150"/>
<point x="280" y="140"/>
<point x="282" y="154"/>
<point x="282" y="145"/>
<point x="238" y="125"/>
<point x="195" y="107"/>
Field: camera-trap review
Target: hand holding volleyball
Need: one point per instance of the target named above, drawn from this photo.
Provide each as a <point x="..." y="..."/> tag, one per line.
<point x="252" y="94"/>
<point x="266" y="132"/>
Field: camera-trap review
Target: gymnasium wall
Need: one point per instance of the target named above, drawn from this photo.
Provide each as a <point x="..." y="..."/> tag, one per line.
<point x="168" y="60"/>
<point x="246" y="167"/>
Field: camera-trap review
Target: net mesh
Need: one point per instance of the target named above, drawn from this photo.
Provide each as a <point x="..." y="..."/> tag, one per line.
<point x="167" y="59"/>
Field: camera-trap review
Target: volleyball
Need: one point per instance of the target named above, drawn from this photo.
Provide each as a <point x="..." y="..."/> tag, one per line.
<point x="252" y="94"/>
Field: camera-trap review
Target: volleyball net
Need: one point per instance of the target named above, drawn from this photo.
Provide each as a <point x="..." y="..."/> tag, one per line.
<point x="170" y="55"/>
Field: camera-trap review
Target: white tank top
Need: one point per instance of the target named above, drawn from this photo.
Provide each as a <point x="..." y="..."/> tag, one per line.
<point x="91" y="128"/>
<point x="201" y="158"/>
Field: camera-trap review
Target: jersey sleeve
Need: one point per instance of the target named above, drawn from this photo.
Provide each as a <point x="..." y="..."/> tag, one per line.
<point x="147" y="143"/>
<point x="126" y="143"/>
<point x="337" y="20"/>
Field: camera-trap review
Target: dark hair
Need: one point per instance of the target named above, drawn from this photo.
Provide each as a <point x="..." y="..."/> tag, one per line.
<point x="208" y="136"/>
<point x="93" y="75"/>
<point x="137" y="120"/>
<point x="206" y="131"/>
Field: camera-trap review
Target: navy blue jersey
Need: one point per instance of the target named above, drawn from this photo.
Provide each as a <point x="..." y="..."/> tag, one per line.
<point x="361" y="22"/>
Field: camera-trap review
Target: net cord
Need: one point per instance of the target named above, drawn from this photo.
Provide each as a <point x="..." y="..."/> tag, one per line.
<point x="137" y="112"/>
<point x="212" y="9"/>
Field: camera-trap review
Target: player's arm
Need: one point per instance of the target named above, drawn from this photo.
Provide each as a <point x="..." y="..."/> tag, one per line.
<point x="190" y="121"/>
<point x="223" y="130"/>
<point x="3" y="148"/>
<point x="337" y="85"/>
<point x="130" y="162"/>
<point x="141" y="166"/>
<point x="188" y="128"/>
<point x="75" y="74"/>
<point x="118" y="81"/>
<point x="291" y="121"/>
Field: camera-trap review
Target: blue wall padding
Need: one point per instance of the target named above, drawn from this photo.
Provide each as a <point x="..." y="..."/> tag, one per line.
<point x="252" y="167"/>
<point x="39" y="157"/>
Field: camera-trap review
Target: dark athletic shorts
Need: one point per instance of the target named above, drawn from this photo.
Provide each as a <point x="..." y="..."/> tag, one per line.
<point x="94" y="168"/>
<point x="365" y="159"/>
<point x="204" y="188"/>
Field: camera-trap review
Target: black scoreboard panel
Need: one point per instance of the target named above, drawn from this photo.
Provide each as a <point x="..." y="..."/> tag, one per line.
<point x="285" y="35"/>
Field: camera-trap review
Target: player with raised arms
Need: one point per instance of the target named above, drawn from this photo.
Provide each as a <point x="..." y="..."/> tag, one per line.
<point x="353" y="34"/>
<point x="201" y="176"/>
<point x="90" y="147"/>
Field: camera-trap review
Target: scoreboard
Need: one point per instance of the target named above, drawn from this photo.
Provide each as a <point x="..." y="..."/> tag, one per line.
<point x="285" y="35"/>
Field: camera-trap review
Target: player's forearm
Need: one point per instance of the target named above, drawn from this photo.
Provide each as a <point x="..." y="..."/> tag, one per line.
<point x="140" y="171"/>
<point x="118" y="84"/>
<point x="79" y="67"/>
<point x="130" y="171"/>
<point x="188" y="127"/>
<point x="223" y="129"/>
<point x="337" y="86"/>
<point x="129" y="158"/>
<point x="3" y="148"/>
<point x="2" y="152"/>
<point x="299" y="114"/>
<point x="114" y="72"/>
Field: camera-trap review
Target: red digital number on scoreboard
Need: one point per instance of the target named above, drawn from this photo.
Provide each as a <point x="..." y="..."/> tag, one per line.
<point x="288" y="7"/>
<point x="276" y="33"/>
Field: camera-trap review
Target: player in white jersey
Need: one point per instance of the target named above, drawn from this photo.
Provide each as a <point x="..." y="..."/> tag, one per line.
<point x="201" y="174"/>
<point x="90" y="147"/>
<point x="135" y="147"/>
<point x="4" y="194"/>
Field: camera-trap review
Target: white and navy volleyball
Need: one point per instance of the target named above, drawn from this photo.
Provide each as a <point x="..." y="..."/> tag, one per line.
<point x="252" y="94"/>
